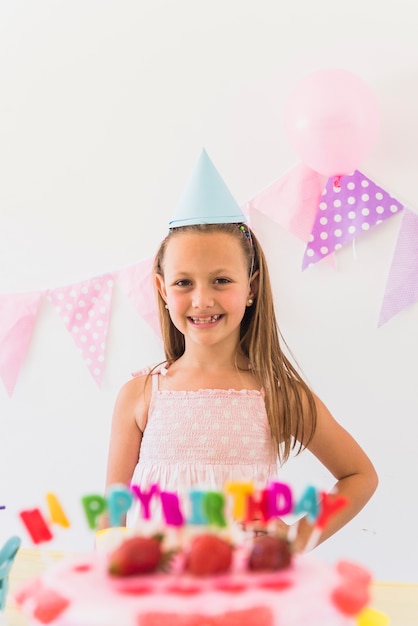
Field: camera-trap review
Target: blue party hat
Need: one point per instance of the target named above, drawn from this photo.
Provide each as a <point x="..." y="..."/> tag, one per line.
<point x="206" y="198"/>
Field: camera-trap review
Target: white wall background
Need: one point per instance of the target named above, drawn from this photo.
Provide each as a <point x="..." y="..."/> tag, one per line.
<point x="104" y="107"/>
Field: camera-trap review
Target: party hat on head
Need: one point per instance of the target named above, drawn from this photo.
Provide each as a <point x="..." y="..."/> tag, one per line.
<point x="206" y="198"/>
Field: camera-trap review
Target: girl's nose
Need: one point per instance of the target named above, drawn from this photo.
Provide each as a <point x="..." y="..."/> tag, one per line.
<point x="202" y="298"/>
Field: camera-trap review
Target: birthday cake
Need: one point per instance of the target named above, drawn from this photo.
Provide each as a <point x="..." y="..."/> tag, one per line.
<point x="196" y="575"/>
<point x="85" y="592"/>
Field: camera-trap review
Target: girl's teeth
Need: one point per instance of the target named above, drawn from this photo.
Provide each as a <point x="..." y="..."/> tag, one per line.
<point x="205" y="320"/>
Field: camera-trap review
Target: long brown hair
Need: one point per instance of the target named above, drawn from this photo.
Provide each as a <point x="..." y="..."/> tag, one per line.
<point x="287" y="396"/>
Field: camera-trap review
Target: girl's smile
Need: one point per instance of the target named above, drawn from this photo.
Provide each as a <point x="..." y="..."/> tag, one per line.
<point x="200" y="321"/>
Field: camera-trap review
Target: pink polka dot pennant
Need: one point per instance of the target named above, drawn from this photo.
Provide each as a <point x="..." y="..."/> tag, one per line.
<point x="85" y="310"/>
<point x="346" y="212"/>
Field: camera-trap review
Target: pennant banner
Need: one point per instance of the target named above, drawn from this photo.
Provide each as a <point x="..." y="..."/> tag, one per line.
<point x="137" y="283"/>
<point x="85" y="310"/>
<point x="17" y="320"/>
<point x="346" y="212"/>
<point x="402" y="284"/>
<point x="302" y="201"/>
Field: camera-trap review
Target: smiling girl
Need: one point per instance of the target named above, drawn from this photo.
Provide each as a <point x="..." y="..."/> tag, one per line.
<point x="227" y="404"/>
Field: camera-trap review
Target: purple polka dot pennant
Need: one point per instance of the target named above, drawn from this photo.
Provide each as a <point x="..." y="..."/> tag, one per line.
<point x="346" y="212"/>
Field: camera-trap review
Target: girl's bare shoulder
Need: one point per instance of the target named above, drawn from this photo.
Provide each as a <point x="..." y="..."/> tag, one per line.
<point x="134" y="397"/>
<point x="135" y="385"/>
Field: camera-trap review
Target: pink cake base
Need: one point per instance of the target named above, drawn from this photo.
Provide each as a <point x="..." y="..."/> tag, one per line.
<point x="80" y="593"/>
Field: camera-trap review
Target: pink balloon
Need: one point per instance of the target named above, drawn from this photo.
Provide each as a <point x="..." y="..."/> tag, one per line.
<point x="332" y="119"/>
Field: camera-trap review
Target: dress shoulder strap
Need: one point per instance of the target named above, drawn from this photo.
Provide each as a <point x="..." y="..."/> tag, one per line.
<point x="155" y="377"/>
<point x="141" y="372"/>
<point x="155" y="374"/>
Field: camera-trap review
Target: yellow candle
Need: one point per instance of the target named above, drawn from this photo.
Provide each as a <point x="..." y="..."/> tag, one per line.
<point x="240" y="493"/>
<point x="56" y="511"/>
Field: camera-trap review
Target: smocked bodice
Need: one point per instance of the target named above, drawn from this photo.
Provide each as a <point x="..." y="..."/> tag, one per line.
<point x="205" y="438"/>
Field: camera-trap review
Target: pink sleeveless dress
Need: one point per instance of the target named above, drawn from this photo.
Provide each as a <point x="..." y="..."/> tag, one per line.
<point x="203" y="438"/>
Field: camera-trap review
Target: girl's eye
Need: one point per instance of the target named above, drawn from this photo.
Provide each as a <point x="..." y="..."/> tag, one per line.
<point x="183" y="283"/>
<point x="222" y="281"/>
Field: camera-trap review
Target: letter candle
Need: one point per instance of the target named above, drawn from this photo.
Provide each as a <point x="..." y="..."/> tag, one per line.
<point x="329" y="506"/>
<point x="36" y="525"/>
<point x="56" y="511"/>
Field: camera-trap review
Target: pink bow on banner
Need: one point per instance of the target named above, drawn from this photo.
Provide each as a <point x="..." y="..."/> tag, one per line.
<point x="345" y="212"/>
<point x="85" y="310"/>
<point x="402" y="284"/>
<point x="17" y="319"/>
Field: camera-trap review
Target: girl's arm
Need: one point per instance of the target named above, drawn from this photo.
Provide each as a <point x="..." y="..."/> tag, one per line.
<point x="356" y="477"/>
<point x="129" y="417"/>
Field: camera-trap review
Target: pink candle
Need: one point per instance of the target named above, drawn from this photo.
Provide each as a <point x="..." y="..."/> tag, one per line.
<point x="171" y="508"/>
<point x="145" y="498"/>
<point x="280" y="499"/>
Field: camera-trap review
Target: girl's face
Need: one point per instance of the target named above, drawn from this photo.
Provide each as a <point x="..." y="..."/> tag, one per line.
<point x="205" y="286"/>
